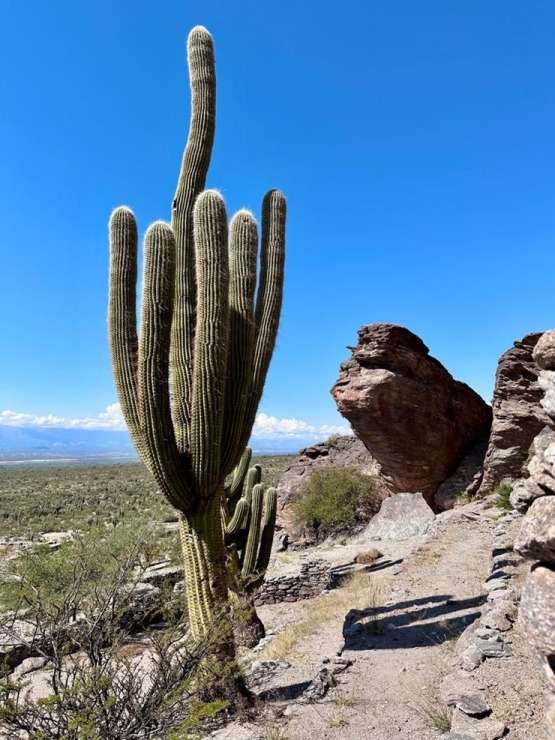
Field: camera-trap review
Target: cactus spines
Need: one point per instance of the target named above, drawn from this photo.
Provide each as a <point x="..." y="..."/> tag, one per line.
<point x="190" y="385"/>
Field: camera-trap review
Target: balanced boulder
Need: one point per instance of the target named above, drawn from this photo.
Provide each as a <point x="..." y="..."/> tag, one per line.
<point x="415" y="419"/>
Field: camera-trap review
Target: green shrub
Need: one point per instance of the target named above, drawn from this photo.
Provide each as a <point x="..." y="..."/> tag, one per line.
<point x="335" y="499"/>
<point x="332" y="440"/>
<point x="42" y="575"/>
<point x="504" y="497"/>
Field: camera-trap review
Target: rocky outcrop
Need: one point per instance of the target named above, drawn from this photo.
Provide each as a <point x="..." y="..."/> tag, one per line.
<point x="339" y="452"/>
<point x="466" y="477"/>
<point x="536" y="539"/>
<point x="413" y="417"/>
<point x="517" y="414"/>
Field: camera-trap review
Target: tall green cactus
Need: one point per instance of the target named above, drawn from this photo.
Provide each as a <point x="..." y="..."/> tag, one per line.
<point x="190" y="385"/>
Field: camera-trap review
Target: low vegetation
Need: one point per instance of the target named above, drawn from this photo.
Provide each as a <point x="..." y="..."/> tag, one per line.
<point x="52" y="499"/>
<point x="434" y="711"/>
<point x="334" y="500"/>
<point x="100" y="683"/>
<point x="503" y="500"/>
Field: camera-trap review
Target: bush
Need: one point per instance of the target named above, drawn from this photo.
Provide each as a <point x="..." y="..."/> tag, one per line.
<point x="102" y="684"/>
<point x="41" y="574"/>
<point x="504" y="497"/>
<point x="335" y="499"/>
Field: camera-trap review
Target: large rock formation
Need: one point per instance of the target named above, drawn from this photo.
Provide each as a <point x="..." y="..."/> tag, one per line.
<point x="341" y="452"/>
<point x="413" y="417"/>
<point x="536" y="539"/>
<point x="517" y="414"/>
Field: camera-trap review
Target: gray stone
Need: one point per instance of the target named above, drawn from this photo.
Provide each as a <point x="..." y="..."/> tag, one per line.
<point x="496" y="583"/>
<point x="525" y="493"/>
<point x="493" y="648"/>
<point x="544" y="351"/>
<point x="471" y="658"/>
<point x="536" y="538"/>
<point x="541" y="469"/>
<point x="465" y="639"/>
<point x="547" y="382"/>
<point x="162" y="574"/>
<point x="537" y="608"/>
<point x="479" y="729"/>
<point x="265" y="667"/>
<point x="28" y="666"/>
<point x="319" y="686"/>
<point x="503" y="594"/>
<point x="400" y="517"/>
<point x="458" y="688"/>
<point x="473" y="705"/>
<point x="500" y="616"/>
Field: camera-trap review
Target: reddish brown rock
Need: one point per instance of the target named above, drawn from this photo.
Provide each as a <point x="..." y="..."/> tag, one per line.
<point x="413" y="417"/>
<point x="517" y="414"/>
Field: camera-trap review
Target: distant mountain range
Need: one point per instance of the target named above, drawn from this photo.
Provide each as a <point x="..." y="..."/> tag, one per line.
<point x="40" y="443"/>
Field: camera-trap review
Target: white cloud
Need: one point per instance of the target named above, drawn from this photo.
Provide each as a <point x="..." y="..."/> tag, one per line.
<point x="111" y="419"/>
<point x="265" y="426"/>
<point x="270" y="427"/>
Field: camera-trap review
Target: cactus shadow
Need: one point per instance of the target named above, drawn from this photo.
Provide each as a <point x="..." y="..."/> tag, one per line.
<point x="409" y="624"/>
<point x="343" y="572"/>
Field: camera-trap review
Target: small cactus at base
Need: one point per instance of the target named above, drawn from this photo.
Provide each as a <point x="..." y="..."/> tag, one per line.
<point x="250" y="516"/>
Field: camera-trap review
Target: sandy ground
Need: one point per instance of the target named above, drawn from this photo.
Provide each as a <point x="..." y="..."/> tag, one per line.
<point x="433" y="587"/>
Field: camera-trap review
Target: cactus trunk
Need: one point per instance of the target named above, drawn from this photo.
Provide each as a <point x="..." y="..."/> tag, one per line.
<point x="204" y="558"/>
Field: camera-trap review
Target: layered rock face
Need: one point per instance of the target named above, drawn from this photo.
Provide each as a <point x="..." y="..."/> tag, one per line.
<point x="517" y="414"/>
<point x="416" y="421"/>
<point x="536" y="539"/>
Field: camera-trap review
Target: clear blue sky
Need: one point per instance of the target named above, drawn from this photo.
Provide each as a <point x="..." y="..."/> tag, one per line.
<point x="414" y="140"/>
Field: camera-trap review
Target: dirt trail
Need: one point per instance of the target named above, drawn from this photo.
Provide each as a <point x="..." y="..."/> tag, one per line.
<point x="433" y="587"/>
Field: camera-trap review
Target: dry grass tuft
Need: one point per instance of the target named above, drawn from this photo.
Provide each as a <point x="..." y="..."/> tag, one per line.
<point x="434" y="711"/>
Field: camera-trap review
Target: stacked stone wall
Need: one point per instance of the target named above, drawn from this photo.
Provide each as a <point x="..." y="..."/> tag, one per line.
<point x="314" y="577"/>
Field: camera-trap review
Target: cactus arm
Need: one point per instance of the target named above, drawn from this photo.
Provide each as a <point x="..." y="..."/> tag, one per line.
<point x="267" y="536"/>
<point x="239" y="519"/>
<point x="211" y="342"/>
<point x="192" y="178"/>
<point x="243" y="248"/>
<point x="239" y="475"/>
<point x="122" y="321"/>
<point x="268" y="300"/>
<point x="251" y="549"/>
<point x="163" y="457"/>
<point x="254" y="476"/>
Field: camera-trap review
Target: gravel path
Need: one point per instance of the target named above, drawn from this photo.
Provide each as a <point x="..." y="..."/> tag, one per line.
<point x="433" y="587"/>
